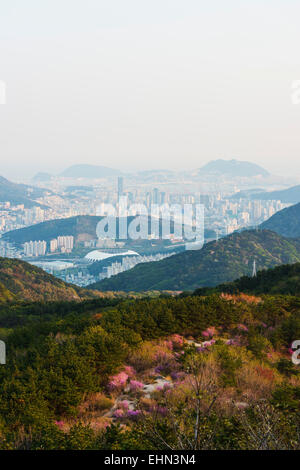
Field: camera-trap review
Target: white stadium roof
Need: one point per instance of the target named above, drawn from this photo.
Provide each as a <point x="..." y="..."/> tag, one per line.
<point x="97" y="255"/>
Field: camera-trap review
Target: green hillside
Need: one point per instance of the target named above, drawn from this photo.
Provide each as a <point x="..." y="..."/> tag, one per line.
<point x="75" y="226"/>
<point x="20" y="193"/>
<point x="285" y="222"/>
<point x="23" y="282"/>
<point x="217" y="262"/>
<point x="282" y="280"/>
<point x="291" y="195"/>
<point x="82" y="227"/>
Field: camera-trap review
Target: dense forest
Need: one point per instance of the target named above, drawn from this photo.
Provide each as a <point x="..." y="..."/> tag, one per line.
<point x="21" y="281"/>
<point x="285" y="222"/>
<point x="283" y="279"/>
<point x="185" y="372"/>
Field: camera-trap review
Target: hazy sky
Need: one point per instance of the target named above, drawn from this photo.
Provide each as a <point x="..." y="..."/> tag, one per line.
<point x="148" y="84"/>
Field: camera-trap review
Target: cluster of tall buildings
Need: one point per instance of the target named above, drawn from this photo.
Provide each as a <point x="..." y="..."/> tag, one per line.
<point x="35" y="248"/>
<point x="129" y="262"/>
<point x="61" y="244"/>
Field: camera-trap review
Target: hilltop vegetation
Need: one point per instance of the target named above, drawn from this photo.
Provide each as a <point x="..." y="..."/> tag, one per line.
<point x="283" y="280"/>
<point x="217" y="262"/>
<point x="285" y="222"/>
<point x="20" y="281"/>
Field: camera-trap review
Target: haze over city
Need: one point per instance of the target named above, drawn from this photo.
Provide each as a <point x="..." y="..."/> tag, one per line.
<point x="144" y="85"/>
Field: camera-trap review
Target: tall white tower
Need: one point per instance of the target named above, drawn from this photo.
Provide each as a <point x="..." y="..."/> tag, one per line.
<point x="254" y="269"/>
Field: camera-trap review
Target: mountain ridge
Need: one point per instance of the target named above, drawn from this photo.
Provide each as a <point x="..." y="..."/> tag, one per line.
<point x="18" y="193"/>
<point x="285" y="222"/>
<point x="289" y="195"/>
<point x="233" y="167"/>
<point x="217" y="262"/>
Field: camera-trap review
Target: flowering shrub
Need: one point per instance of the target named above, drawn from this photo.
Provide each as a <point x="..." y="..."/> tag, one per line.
<point x="60" y="424"/>
<point x="124" y="404"/>
<point x="136" y="386"/>
<point x="166" y="363"/>
<point x="119" y="413"/>
<point x="129" y="370"/>
<point x="233" y="341"/>
<point x="177" y="341"/>
<point x="209" y="332"/>
<point x="168" y="344"/>
<point x="133" y="414"/>
<point x="206" y="344"/>
<point x="117" y="382"/>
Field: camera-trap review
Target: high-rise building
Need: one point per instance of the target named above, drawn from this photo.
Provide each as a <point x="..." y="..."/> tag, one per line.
<point x="53" y="245"/>
<point x="155" y="196"/>
<point x="66" y="243"/>
<point x="35" y="248"/>
<point x="120" y="186"/>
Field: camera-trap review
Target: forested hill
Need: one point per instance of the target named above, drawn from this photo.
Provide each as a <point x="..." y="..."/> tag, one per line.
<point x="20" y="193"/>
<point x="21" y="281"/>
<point x="284" y="280"/>
<point x="217" y="262"/>
<point x="76" y="226"/>
<point x="82" y="227"/>
<point x="290" y="195"/>
<point x="285" y="222"/>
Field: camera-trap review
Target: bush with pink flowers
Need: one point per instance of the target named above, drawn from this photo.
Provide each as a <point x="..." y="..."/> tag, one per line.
<point x="177" y="341"/>
<point x="136" y="386"/>
<point x="209" y="332"/>
<point x="130" y="371"/>
<point x="117" y="382"/>
<point x="119" y="413"/>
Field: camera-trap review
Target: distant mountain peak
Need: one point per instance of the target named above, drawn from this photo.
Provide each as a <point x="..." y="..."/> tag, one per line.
<point x="233" y="168"/>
